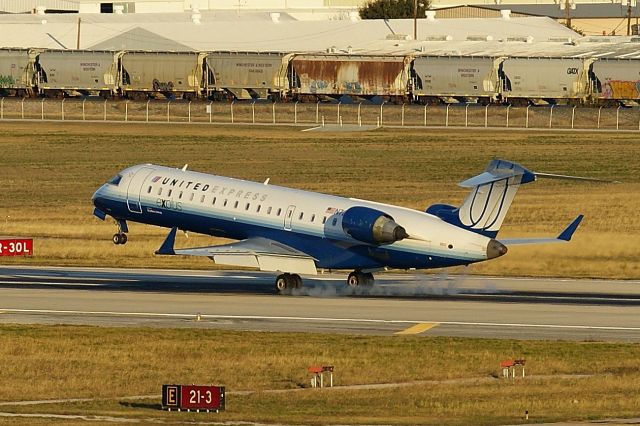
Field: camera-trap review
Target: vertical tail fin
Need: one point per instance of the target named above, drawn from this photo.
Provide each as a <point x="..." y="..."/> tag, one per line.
<point x="485" y="208"/>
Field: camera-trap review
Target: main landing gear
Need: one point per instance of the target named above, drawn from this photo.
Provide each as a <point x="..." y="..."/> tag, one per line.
<point x="359" y="278"/>
<point x="288" y="281"/>
<point x="356" y="279"/>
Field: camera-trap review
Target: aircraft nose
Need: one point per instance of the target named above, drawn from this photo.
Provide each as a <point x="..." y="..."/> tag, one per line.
<point x="96" y="197"/>
<point x="495" y="249"/>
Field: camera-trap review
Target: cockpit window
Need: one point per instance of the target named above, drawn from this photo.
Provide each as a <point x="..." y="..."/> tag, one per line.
<point x="115" y="180"/>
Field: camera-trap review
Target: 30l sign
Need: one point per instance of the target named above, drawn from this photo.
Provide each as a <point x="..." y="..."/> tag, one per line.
<point x="16" y="247"/>
<point x="191" y="397"/>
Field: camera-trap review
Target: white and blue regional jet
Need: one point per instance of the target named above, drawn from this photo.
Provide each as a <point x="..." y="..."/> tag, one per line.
<point x="295" y="232"/>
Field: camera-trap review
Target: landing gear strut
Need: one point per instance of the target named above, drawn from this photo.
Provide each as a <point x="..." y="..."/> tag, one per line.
<point x="288" y="281"/>
<point x="359" y="278"/>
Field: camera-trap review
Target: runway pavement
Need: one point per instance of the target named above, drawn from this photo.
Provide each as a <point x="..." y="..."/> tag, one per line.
<point x="420" y="304"/>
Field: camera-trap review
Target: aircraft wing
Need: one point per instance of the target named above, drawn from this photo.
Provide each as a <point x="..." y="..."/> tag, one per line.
<point x="562" y="238"/>
<point x="261" y="253"/>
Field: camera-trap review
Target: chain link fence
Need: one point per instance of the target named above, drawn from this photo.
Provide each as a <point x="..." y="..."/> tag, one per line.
<point x="178" y="111"/>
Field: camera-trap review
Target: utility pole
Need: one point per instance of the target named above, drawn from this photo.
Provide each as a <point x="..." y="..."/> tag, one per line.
<point x="415" y="19"/>
<point x="78" y="39"/>
<point x="567" y="5"/>
<point x="628" y="17"/>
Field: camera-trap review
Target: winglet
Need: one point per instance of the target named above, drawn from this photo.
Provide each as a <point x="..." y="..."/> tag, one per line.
<point x="569" y="230"/>
<point x="167" y="246"/>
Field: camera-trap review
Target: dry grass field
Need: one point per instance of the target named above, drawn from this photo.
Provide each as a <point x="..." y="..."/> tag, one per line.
<point x="457" y="378"/>
<point x="48" y="172"/>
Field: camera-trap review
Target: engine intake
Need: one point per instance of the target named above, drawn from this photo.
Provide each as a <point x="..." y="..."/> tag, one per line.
<point x="372" y="226"/>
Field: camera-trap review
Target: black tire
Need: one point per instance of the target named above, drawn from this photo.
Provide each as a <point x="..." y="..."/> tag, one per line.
<point x="368" y="279"/>
<point x="282" y="283"/>
<point x="116" y="239"/>
<point x="354" y="279"/>
<point x="123" y="238"/>
<point x="296" y="281"/>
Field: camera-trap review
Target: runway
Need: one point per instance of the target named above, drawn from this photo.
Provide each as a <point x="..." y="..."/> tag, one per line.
<point x="413" y="303"/>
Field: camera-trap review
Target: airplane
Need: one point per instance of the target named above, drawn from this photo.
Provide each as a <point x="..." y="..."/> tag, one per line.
<point x="294" y="232"/>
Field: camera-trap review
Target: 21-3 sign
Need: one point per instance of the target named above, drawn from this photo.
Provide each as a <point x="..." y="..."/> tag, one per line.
<point x="192" y="397"/>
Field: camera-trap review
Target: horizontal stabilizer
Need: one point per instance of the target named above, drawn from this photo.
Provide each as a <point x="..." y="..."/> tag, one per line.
<point x="562" y="238"/>
<point x="489" y="177"/>
<point x="566" y="177"/>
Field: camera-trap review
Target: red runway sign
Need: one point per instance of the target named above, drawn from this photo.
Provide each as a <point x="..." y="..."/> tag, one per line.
<point x="16" y="247"/>
<point x="192" y="397"/>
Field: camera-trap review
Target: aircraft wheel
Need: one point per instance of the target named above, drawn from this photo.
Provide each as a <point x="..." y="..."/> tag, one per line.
<point x="354" y="279"/>
<point x="282" y="282"/>
<point x="296" y="281"/>
<point x="119" y="238"/>
<point x="368" y="279"/>
<point x="357" y="278"/>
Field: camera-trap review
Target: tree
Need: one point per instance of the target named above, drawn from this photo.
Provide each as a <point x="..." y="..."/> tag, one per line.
<point x="392" y="9"/>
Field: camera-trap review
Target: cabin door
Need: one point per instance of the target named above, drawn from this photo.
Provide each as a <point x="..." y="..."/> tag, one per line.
<point x="135" y="189"/>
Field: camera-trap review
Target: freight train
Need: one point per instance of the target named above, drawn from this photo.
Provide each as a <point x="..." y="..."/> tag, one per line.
<point x="313" y="77"/>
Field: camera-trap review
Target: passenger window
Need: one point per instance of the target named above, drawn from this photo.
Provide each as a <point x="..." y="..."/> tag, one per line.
<point x="258" y="208"/>
<point x="191" y="197"/>
<point x="149" y="190"/>
<point x="269" y="210"/>
<point x="213" y="203"/>
<point x="160" y="191"/>
<point x="313" y="218"/>
<point x="180" y="196"/>
<point x="247" y="206"/>
<point x="324" y="220"/>
<point x="225" y="203"/>
<point x="235" y="205"/>
<point x="279" y="211"/>
<point x="202" y="199"/>
<point x="169" y="194"/>
<point x="301" y="215"/>
<point x="289" y="213"/>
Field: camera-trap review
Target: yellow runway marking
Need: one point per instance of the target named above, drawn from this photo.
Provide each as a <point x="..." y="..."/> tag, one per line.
<point x="419" y="328"/>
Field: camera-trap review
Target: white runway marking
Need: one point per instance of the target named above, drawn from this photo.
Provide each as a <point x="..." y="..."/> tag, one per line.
<point x="313" y="319"/>
<point x="60" y="277"/>
<point x="52" y="283"/>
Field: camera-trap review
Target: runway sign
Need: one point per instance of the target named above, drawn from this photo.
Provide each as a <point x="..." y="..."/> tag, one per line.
<point x="16" y="247"/>
<point x="192" y="397"/>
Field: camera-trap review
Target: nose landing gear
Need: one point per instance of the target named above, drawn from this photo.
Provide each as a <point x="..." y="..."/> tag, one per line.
<point x="119" y="238"/>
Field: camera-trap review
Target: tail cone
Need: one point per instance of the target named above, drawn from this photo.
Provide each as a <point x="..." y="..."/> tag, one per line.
<point x="495" y="249"/>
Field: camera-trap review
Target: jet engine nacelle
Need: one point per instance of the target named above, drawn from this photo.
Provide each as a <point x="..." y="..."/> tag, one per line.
<point x="371" y="226"/>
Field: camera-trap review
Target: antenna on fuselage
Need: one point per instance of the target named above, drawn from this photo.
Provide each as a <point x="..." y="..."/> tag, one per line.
<point x="184" y="169"/>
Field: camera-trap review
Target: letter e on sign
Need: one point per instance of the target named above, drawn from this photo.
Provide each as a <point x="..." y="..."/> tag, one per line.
<point x="170" y="397"/>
